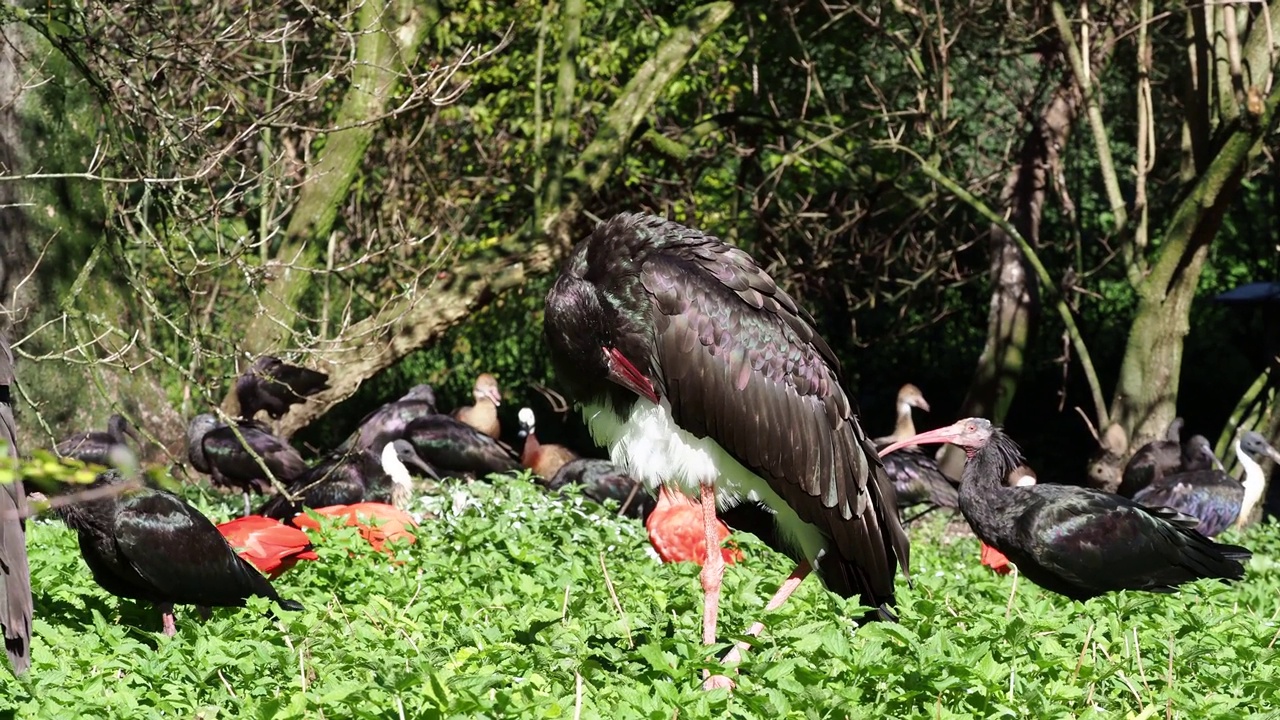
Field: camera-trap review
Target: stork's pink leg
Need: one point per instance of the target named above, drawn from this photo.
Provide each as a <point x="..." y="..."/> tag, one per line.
<point x="712" y="572"/>
<point x="784" y="591"/>
<point x="166" y="617"/>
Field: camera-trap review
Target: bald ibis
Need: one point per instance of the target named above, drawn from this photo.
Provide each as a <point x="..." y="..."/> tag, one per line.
<point x="1021" y="476"/>
<point x="15" y="577"/>
<point x="273" y="385"/>
<point x="267" y="544"/>
<point x="1153" y="461"/>
<point x="544" y="460"/>
<point x="483" y="416"/>
<point x="349" y="478"/>
<point x="915" y="474"/>
<point x="95" y="446"/>
<point x="696" y="370"/>
<point x="150" y="545"/>
<point x="377" y="523"/>
<point x="456" y="449"/>
<point x="1074" y="541"/>
<point x="1214" y="497"/>
<point x="388" y="422"/>
<point x="600" y="479"/>
<point x="214" y="449"/>
<point x="675" y="530"/>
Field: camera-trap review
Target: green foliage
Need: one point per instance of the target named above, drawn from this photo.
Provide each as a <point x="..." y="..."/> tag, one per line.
<point x="501" y="608"/>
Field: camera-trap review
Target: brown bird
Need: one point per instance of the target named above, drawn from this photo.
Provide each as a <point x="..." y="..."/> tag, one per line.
<point x="544" y="460"/>
<point x="483" y="416"/>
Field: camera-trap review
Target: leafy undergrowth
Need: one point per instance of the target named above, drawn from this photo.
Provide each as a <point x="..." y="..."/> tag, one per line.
<point x="503" y="608"/>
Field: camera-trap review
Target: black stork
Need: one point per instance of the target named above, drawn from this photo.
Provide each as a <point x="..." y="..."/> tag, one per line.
<point x="350" y="478"/>
<point x="483" y="416"/>
<point x="915" y="474"/>
<point x="696" y="370"/>
<point x="1214" y="497"/>
<point x="95" y="446"/>
<point x="1074" y="541"/>
<point x="544" y="460"/>
<point x="273" y="385"/>
<point x="388" y="422"/>
<point x="15" y="575"/>
<point x="600" y="480"/>
<point x="214" y="449"/>
<point x="150" y="545"/>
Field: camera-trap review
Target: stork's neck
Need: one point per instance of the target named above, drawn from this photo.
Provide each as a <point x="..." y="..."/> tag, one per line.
<point x="905" y="426"/>
<point x="401" y="482"/>
<point x="1254" y="482"/>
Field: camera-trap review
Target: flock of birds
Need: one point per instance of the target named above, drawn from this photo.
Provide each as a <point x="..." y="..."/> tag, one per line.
<point x="720" y="407"/>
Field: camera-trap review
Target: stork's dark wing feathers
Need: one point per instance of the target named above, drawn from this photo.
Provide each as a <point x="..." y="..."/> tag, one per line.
<point x="741" y="363"/>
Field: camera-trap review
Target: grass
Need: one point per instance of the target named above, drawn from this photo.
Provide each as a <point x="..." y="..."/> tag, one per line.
<point x="502" y="609"/>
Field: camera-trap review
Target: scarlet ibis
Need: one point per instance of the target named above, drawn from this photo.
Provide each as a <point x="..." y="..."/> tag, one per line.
<point x="150" y="545"/>
<point x="267" y="544"/>
<point x="349" y="478"/>
<point x="544" y="460"/>
<point x="388" y="422"/>
<point x="1074" y="541"/>
<point x="15" y="577"/>
<point x="273" y="385"/>
<point x="1021" y="476"/>
<point x="695" y="369"/>
<point x="214" y="449"/>
<point x="1153" y="461"/>
<point x="377" y="523"/>
<point x="95" y="446"/>
<point x="456" y="449"/>
<point x="916" y="476"/>
<point x="675" y="530"/>
<point x="600" y="479"/>
<point x="483" y="416"/>
<point x="1212" y="496"/>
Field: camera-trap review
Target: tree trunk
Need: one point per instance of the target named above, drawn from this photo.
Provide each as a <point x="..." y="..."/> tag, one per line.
<point x="389" y="35"/>
<point x="1014" y="291"/>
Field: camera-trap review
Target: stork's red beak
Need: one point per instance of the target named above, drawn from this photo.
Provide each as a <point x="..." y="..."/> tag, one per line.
<point x="946" y="434"/>
<point x="628" y="376"/>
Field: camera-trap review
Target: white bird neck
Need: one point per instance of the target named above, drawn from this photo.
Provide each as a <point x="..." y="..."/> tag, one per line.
<point x="1254" y="480"/>
<point x="401" y="481"/>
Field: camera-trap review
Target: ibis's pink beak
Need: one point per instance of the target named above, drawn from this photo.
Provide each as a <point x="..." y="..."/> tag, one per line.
<point x="941" y="435"/>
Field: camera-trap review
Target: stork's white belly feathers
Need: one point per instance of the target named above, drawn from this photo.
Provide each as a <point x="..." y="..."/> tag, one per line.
<point x="653" y="449"/>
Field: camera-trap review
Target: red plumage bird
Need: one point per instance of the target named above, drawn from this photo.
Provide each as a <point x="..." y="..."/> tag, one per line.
<point x="376" y="522"/>
<point x="675" y="530"/>
<point x="267" y="544"/>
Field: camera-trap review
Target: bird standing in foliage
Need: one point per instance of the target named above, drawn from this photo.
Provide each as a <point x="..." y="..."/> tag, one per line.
<point x="388" y="422"/>
<point x="267" y="544"/>
<point x="456" y="449"/>
<point x="483" y="416"/>
<point x="95" y="446"/>
<point x="15" y="576"/>
<point x="675" y="530"/>
<point x="273" y="385"/>
<point x="695" y="369"/>
<point x="378" y="523"/>
<point x="601" y="479"/>
<point x="1021" y="476"/>
<point x="916" y="477"/>
<point x="213" y="448"/>
<point x="151" y="545"/>
<point x="544" y="460"/>
<point x="346" y="479"/>
<point x="1076" y="542"/>
<point x="1215" y="498"/>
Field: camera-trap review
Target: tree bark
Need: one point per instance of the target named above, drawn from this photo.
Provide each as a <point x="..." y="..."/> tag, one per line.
<point x="388" y="37"/>
<point x="1014" y="291"/>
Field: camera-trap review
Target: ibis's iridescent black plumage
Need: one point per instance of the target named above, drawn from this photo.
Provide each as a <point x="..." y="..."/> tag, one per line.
<point x="694" y="368"/>
<point x="150" y="545"/>
<point x="15" y="577"/>
<point x="95" y="446"/>
<point x="1153" y="461"/>
<point x="600" y="480"/>
<point x="273" y="385"/>
<point x="350" y="478"/>
<point x="389" y="421"/>
<point x="1214" y="497"/>
<point x="1075" y="541"/>
<point x="213" y="448"/>
<point x="456" y="449"/>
